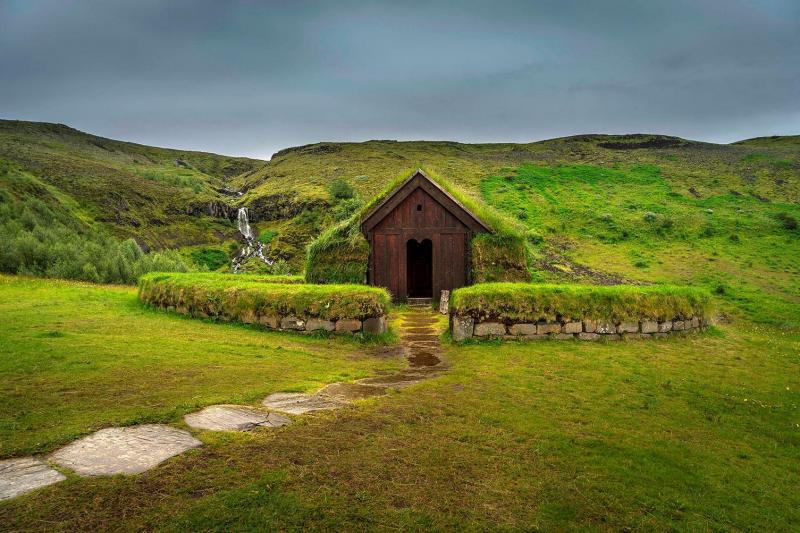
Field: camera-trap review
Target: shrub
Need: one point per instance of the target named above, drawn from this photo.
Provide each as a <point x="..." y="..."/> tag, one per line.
<point x="232" y="297"/>
<point x="210" y="258"/>
<point x="789" y="222"/>
<point x="530" y="303"/>
<point x="341" y="190"/>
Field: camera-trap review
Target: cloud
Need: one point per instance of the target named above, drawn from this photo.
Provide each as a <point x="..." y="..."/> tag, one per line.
<point x="250" y="78"/>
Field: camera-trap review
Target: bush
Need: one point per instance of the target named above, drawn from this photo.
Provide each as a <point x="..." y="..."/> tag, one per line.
<point x="44" y="239"/>
<point x="341" y="190"/>
<point x="210" y="258"/>
<point x="789" y="222"/>
<point x="517" y="302"/>
<point x="232" y="297"/>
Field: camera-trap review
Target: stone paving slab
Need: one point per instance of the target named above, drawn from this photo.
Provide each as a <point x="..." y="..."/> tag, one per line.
<point x="128" y="450"/>
<point x="18" y="476"/>
<point x="347" y="392"/>
<point x="234" y="418"/>
<point x="298" y="403"/>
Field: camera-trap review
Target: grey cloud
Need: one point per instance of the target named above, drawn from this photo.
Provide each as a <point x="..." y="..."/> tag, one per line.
<point x="249" y="78"/>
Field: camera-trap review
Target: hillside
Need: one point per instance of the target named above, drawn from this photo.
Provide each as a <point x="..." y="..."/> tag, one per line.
<point x="158" y="196"/>
<point x="600" y="208"/>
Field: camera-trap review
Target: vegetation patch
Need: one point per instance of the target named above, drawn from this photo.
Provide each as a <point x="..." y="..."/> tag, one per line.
<point x="240" y="298"/>
<point x="530" y="303"/>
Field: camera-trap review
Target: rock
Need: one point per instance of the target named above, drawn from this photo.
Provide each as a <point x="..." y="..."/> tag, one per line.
<point x="484" y="329"/>
<point x="664" y="327"/>
<point x="606" y="328"/>
<point x="248" y="316"/>
<point x="649" y="326"/>
<point x="461" y="327"/>
<point x="270" y="321"/>
<point x="563" y="336"/>
<point x="678" y="325"/>
<point x="628" y="327"/>
<point x="292" y="322"/>
<point x="544" y="328"/>
<point x="695" y="322"/>
<point x="128" y="450"/>
<point x="525" y="329"/>
<point x="444" y="302"/>
<point x="572" y="327"/>
<point x="590" y="326"/>
<point x="314" y="324"/>
<point x="348" y="325"/>
<point x="233" y="418"/>
<point x="298" y="403"/>
<point x="18" y="476"/>
<point x="588" y="336"/>
<point x="375" y="325"/>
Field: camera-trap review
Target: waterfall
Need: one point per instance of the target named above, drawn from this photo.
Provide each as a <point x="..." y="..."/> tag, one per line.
<point x="244" y="224"/>
<point x="252" y="247"/>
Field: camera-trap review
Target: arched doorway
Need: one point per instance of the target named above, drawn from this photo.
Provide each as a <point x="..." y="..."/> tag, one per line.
<point x="419" y="265"/>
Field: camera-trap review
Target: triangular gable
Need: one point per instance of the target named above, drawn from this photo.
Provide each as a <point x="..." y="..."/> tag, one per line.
<point x="421" y="181"/>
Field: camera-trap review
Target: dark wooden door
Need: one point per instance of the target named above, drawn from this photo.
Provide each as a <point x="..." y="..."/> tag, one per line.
<point x="419" y="268"/>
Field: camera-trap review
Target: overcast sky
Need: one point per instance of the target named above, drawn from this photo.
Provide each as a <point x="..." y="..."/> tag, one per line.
<point x="250" y="78"/>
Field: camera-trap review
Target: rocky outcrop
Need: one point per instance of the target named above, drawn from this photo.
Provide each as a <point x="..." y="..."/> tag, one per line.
<point x="279" y="206"/>
<point x="211" y="208"/>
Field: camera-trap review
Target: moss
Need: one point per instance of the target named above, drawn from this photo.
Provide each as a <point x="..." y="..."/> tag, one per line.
<point x="230" y="297"/>
<point x="341" y="253"/>
<point x="530" y="303"/>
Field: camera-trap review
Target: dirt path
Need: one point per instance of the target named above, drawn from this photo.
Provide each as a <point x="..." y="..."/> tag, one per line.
<point x="135" y="449"/>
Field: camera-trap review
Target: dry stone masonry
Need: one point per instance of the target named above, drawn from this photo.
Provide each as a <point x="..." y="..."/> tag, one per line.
<point x="465" y="327"/>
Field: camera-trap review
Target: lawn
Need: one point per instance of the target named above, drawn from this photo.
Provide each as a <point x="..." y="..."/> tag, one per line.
<point x="677" y="434"/>
<point x="76" y="357"/>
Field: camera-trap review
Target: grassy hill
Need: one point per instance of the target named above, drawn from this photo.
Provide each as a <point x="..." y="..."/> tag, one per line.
<point x="163" y="198"/>
<point x="600" y="208"/>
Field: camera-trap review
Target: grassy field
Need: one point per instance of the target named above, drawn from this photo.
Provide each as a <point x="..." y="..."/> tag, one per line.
<point x="686" y="434"/>
<point x="78" y="357"/>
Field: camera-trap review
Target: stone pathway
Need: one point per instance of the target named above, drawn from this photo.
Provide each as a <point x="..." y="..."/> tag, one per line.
<point x="127" y="450"/>
<point x="233" y="418"/>
<point x="135" y="449"/>
<point x="18" y="476"/>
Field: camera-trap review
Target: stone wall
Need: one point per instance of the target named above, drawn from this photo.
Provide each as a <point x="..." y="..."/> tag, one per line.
<point x="465" y="327"/>
<point x="372" y="325"/>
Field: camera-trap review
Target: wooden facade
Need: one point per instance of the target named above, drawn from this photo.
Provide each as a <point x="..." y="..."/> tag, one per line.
<point x="419" y="239"/>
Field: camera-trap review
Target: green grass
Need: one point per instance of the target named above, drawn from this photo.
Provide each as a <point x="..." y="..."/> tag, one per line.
<point x="234" y="297"/>
<point x="697" y="433"/>
<point x="77" y="357"/>
<point x="618" y="303"/>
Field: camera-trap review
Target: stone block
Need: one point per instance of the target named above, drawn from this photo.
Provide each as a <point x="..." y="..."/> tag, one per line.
<point x="270" y="321"/>
<point x="649" y="326"/>
<point x="606" y="328"/>
<point x="678" y="325"/>
<point x="348" y="325"/>
<point x="375" y="325"/>
<point x="664" y="327"/>
<point x="315" y="324"/>
<point x="524" y="328"/>
<point x="484" y="329"/>
<point x="588" y="336"/>
<point x="544" y="328"/>
<point x="293" y="322"/>
<point x="563" y="336"/>
<point x="660" y="335"/>
<point x="695" y="322"/>
<point x="572" y="327"/>
<point x="628" y="327"/>
<point x="590" y="326"/>
<point x="461" y="327"/>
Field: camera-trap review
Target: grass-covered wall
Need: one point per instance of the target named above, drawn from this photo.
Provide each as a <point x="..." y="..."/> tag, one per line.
<point x="341" y="253"/>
